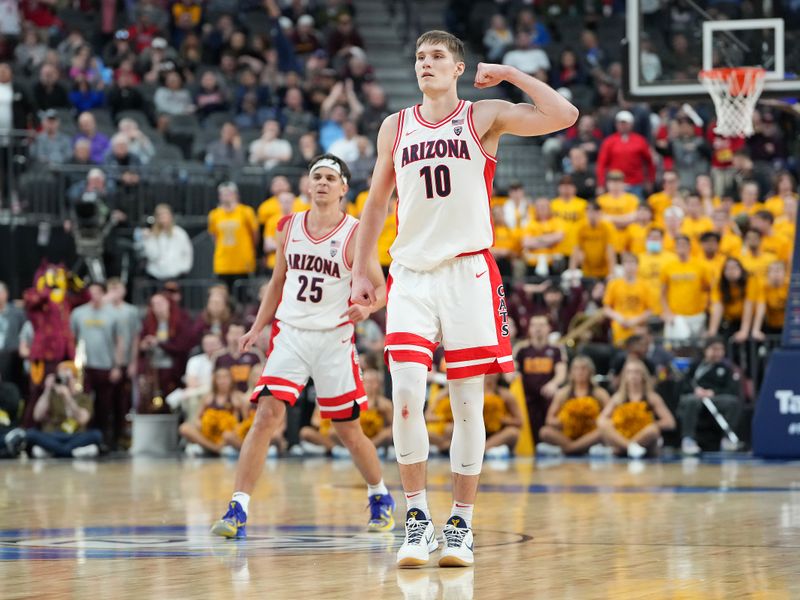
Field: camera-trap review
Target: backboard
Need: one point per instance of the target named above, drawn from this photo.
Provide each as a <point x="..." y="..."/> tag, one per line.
<point x="669" y="42"/>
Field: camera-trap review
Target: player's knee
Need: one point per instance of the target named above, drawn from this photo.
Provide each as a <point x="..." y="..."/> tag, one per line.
<point x="349" y="432"/>
<point x="269" y="415"/>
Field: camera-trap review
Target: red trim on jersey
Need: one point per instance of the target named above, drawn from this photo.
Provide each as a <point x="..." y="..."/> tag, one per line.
<point x="344" y="413"/>
<point x="476" y="353"/>
<point x="399" y="133"/>
<point x="276" y="328"/>
<point x="288" y="231"/>
<point x="327" y="236"/>
<point x="409" y="339"/>
<point x="336" y="400"/>
<point x="283" y="221"/>
<point x="430" y="125"/>
<point x="347" y="240"/>
<point x="488" y="178"/>
<point x="280" y="381"/>
<point x="473" y="253"/>
<point x="475" y="136"/>
<point x="484" y="369"/>
<point x="408" y="356"/>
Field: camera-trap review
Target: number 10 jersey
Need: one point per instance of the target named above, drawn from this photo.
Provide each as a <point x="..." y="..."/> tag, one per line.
<point x="318" y="276"/>
<point x="444" y="187"/>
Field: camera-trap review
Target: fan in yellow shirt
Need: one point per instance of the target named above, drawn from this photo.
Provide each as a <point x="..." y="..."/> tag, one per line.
<point x="733" y="299"/>
<point x="785" y="225"/>
<point x="705" y="189"/>
<point x="287" y="203"/>
<point x="570" y="210"/>
<point x="754" y="259"/>
<point x="543" y="235"/>
<point x="771" y="243"/>
<point x="695" y="223"/>
<point x="272" y="206"/>
<point x="651" y="266"/>
<point x="618" y="207"/>
<point x="594" y="253"/>
<point x="730" y="243"/>
<point x="507" y="242"/>
<point x="748" y="200"/>
<point x="627" y="301"/>
<point x="636" y="234"/>
<point x="685" y="286"/>
<point x="771" y="308"/>
<point x="669" y="196"/>
<point x="235" y="231"/>
<point x="784" y="190"/>
<point x="710" y="256"/>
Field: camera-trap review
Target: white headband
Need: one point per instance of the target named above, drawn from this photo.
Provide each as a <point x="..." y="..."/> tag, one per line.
<point x="331" y="164"/>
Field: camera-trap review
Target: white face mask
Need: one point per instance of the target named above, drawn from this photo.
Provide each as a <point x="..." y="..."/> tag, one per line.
<point x="653" y="246"/>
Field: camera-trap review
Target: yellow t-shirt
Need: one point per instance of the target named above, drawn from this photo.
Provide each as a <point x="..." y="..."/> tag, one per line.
<point x="659" y="202"/>
<point x="386" y="239"/>
<point x="507" y="238"/>
<point x="651" y="266"/>
<point x="271" y="207"/>
<point x="628" y="299"/>
<point x="730" y="244"/>
<point x="687" y="287"/>
<point x="234" y="245"/>
<point x="536" y="228"/>
<point x="593" y="242"/>
<point x="626" y="204"/>
<point x="774" y="204"/>
<point x="739" y="208"/>
<point x="571" y="212"/>
<point x="694" y="228"/>
<point x="713" y="266"/>
<point x="354" y="208"/>
<point x="757" y="265"/>
<point x="775" y="300"/>
<point x="784" y="228"/>
<point x="636" y="238"/>
<point x="734" y="308"/>
<point x="777" y="245"/>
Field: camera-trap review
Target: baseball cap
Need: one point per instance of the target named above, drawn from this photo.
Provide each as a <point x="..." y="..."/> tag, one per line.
<point x="159" y="43"/>
<point x="122" y="34"/>
<point x="50" y="113"/>
<point x="625" y="116"/>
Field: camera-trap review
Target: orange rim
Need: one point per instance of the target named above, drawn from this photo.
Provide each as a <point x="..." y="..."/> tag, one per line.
<point x="741" y="80"/>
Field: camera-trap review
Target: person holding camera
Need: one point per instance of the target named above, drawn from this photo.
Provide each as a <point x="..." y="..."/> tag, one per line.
<point x="62" y="414"/>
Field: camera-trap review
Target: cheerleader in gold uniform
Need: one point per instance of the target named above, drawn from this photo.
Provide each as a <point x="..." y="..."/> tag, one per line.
<point x="634" y="419"/>
<point x="571" y="422"/>
<point x="217" y="417"/>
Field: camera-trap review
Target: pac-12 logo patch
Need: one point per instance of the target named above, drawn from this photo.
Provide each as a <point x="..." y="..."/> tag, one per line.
<point x="458" y="125"/>
<point x="335" y="247"/>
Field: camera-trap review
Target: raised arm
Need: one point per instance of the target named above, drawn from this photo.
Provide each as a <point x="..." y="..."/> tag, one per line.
<point x="373" y="215"/>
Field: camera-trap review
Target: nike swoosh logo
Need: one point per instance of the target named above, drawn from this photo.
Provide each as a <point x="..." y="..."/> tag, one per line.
<point x="410" y="132"/>
<point x="479" y="275"/>
<point x="401" y="455"/>
<point x="469" y="465"/>
<point x="430" y="539"/>
<point x="413" y="495"/>
<point x="469" y="547"/>
<point x="345" y="341"/>
<point x="294" y="240"/>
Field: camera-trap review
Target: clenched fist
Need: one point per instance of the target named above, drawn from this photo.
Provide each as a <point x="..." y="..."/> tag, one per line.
<point x="489" y="75"/>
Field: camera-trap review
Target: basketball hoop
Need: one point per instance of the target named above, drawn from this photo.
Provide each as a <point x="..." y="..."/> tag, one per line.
<point x="735" y="93"/>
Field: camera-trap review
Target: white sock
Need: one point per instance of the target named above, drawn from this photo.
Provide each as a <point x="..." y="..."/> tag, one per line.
<point x="464" y="511"/>
<point x="418" y="500"/>
<point x="243" y="500"/>
<point x="378" y="488"/>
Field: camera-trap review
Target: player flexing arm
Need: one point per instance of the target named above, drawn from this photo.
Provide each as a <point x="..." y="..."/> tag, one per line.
<point x="549" y="112"/>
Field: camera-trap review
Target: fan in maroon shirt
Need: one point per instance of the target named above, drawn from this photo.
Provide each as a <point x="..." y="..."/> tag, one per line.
<point x="240" y="364"/>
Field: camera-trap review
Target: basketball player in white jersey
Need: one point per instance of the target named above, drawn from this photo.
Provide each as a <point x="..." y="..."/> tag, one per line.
<point x="308" y="303"/>
<point x="444" y="286"/>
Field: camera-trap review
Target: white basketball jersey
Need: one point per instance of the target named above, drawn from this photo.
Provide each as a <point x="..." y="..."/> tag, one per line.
<point x="444" y="187"/>
<point x="318" y="277"/>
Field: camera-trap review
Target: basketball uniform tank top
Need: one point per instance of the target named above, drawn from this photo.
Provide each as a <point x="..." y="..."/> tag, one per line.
<point x="444" y="186"/>
<point x="317" y="287"/>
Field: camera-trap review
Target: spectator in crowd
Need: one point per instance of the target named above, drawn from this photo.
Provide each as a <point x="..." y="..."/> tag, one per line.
<point x="95" y="325"/>
<point x="48" y="91"/>
<point x="542" y="240"/>
<point x="714" y="379"/>
<point x="186" y="16"/>
<point x="346" y="147"/>
<point x="636" y="347"/>
<point x="767" y="146"/>
<point x="51" y="147"/>
<point x="154" y="61"/>
<point x="594" y="250"/>
<point x="527" y="22"/>
<point x="527" y="58"/>
<point x="270" y="150"/>
<point x="669" y="195"/>
<point x="87" y="129"/>
<point x="635" y="240"/>
<point x="12" y="436"/>
<point x="12" y="318"/>
<point x="344" y="36"/>
<point x="784" y="190"/>
<point x="16" y="112"/>
<point x="304" y="37"/>
<point x="749" y="200"/>
<point x="689" y="151"/>
<point x="210" y="97"/>
<point x="123" y="166"/>
<point x="502" y="418"/>
<point x="497" y="39"/>
<point x="164" y="343"/>
<point x="234" y="228"/>
<point x="629" y="152"/>
<point x="238" y="363"/>
<point x="770" y="310"/>
<point x="568" y="71"/>
<point x="271" y="206"/>
<point x="627" y="301"/>
<point x="753" y="257"/>
<point x="197" y="379"/>
<point x="543" y="369"/>
<point x="62" y="415"/>
<point x="172" y="98"/>
<point x="506" y="245"/>
<point x="96" y="183"/>
<point x="685" y="286"/>
<point x="220" y="414"/>
<point x="733" y="300"/>
<point x="582" y="174"/>
<point x="518" y="207"/>
<point x="632" y="422"/>
<point x="744" y="170"/>
<point x="118" y="50"/>
<point x="334" y="114"/>
<point x="144" y="30"/>
<point x="86" y="95"/>
<point x="571" y="423"/>
<point x="216" y="316"/>
<point x="376" y="109"/>
<point x="287" y="202"/>
<point x="166" y="247"/>
<point x="618" y="207"/>
<point x="695" y="221"/>
<point x="250" y="115"/>
<point x="248" y="84"/>
<point x="585" y="135"/>
<point x="124" y="95"/>
<point x="139" y="145"/>
<point x="30" y="52"/>
<point x="712" y="259"/>
<point x="298" y="121"/>
<point x="652" y="263"/>
<point x="227" y="150"/>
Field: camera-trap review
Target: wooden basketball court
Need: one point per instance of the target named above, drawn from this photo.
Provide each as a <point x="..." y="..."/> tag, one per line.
<point x="572" y="529"/>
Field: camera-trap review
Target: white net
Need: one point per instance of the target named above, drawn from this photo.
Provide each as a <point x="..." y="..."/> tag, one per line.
<point x="735" y="93"/>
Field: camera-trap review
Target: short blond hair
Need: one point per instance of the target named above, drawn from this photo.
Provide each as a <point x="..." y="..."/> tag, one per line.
<point x="448" y="40"/>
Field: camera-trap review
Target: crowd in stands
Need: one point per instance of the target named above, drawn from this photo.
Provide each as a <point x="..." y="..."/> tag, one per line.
<point x="662" y="252"/>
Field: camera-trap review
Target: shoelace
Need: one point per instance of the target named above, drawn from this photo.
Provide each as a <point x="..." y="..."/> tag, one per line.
<point x="454" y="536"/>
<point x="414" y="530"/>
<point x="375" y="510"/>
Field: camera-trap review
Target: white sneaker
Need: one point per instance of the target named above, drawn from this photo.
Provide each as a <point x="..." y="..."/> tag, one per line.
<point x="546" y="449"/>
<point x="89" y="451"/>
<point x="689" y="447"/>
<point x="194" y="450"/>
<point x="636" y="451"/>
<point x="419" y="542"/>
<point x="458" y="542"/>
<point x="601" y="450"/>
<point x="340" y="452"/>
<point x="310" y="449"/>
<point x="39" y="452"/>
<point x="498" y="452"/>
<point x="229" y="452"/>
<point x="727" y="445"/>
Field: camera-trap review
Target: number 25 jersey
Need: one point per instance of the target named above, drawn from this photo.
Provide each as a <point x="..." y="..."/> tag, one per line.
<point x="318" y="276"/>
<point x="444" y="187"/>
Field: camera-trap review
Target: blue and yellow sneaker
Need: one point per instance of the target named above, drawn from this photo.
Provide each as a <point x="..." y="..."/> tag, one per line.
<point x="232" y="524"/>
<point x="380" y="513"/>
